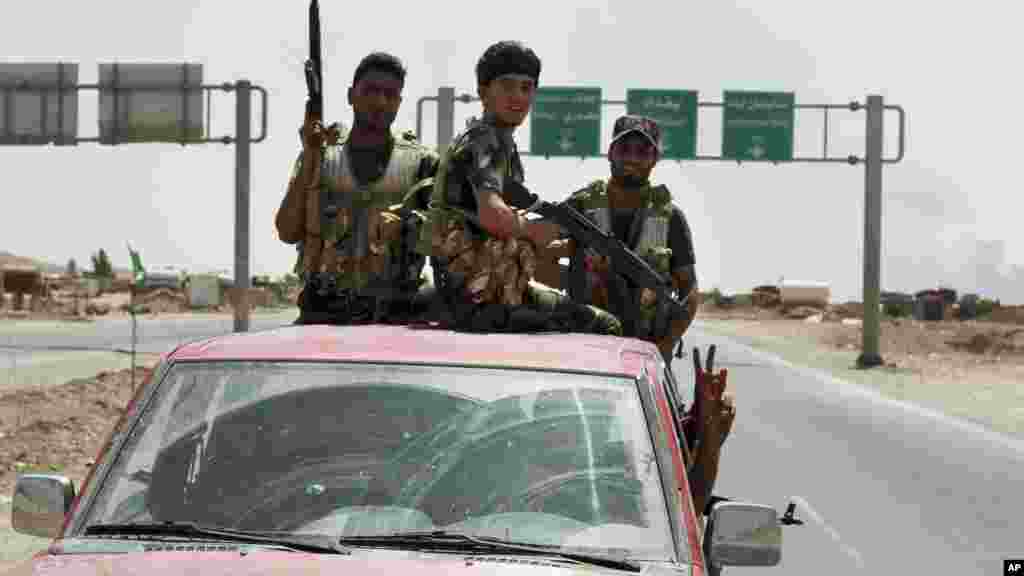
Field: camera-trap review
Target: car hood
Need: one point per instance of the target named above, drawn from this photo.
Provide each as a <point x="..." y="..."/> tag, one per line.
<point x="134" y="558"/>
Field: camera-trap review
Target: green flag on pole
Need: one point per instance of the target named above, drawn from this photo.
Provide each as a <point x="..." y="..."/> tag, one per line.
<point x="138" y="272"/>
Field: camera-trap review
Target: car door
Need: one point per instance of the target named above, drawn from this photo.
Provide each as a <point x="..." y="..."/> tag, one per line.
<point x="664" y="386"/>
<point x="666" y="380"/>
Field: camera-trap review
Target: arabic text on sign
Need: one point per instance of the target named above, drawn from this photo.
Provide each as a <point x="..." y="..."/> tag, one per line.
<point x="662" y="104"/>
<point x="672" y="122"/>
<point x="759" y="106"/>
<point x="588" y="117"/>
<point x="757" y="123"/>
<point x="568" y="99"/>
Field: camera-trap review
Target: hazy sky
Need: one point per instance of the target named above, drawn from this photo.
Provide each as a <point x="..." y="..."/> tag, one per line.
<point x="951" y="210"/>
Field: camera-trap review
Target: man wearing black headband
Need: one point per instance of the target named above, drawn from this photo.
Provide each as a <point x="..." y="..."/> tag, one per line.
<point x="483" y="252"/>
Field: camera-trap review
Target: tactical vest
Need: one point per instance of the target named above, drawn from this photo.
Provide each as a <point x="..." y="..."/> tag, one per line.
<point x="355" y="232"/>
<point x="492" y="270"/>
<point x="648" y="237"/>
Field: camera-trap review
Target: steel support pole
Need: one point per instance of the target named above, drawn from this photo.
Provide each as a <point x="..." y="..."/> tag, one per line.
<point x="134" y="332"/>
<point x="870" y="354"/>
<point x="243" y="147"/>
<point x="419" y="116"/>
<point x="445" y="117"/>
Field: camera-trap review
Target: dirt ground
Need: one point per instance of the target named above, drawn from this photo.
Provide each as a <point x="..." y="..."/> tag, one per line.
<point x="60" y="429"/>
<point x="972" y="369"/>
<point x="903" y="341"/>
<point x="160" y="302"/>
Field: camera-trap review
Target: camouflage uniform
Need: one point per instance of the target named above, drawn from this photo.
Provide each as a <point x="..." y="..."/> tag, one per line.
<point x="656" y="230"/>
<point x="362" y="221"/>
<point x="487" y="282"/>
<point x="590" y="279"/>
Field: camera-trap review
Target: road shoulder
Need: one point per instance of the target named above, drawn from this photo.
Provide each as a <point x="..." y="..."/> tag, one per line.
<point x="984" y="390"/>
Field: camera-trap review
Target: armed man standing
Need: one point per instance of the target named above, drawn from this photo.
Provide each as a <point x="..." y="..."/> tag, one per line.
<point x="484" y="252"/>
<point x="355" y="202"/>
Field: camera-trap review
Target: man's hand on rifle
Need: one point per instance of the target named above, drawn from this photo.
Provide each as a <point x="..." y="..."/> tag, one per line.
<point x="314" y="135"/>
<point x="542" y="232"/>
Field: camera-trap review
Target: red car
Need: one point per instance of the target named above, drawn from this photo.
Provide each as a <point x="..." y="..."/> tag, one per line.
<point x="393" y="449"/>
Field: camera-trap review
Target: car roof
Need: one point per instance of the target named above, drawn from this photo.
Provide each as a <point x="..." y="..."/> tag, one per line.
<point x="429" y="345"/>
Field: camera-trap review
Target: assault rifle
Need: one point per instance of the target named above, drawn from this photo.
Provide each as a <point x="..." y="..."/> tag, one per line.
<point x="623" y="260"/>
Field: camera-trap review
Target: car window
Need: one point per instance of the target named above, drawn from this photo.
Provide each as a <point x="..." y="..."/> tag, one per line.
<point x="358" y="449"/>
<point x="678" y="407"/>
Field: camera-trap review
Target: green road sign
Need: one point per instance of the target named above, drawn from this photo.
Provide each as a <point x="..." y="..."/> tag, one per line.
<point x="566" y="122"/>
<point x="758" y="126"/>
<point x="676" y="112"/>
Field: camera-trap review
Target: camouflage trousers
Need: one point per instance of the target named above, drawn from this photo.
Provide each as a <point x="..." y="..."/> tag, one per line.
<point x="337" y="310"/>
<point x="542" y="309"/>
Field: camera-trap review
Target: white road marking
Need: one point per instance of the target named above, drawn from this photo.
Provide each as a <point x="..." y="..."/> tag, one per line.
<point x="846" y="548"/>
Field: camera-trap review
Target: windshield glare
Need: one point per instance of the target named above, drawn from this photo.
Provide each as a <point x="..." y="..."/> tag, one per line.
<point x="359" y="449"/>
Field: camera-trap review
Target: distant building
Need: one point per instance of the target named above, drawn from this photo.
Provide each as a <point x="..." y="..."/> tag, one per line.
<point x="21" y="281"/>
<point x="804" y="293"/>
<point x="165" y="277"/>
<point x="204" y="290"/>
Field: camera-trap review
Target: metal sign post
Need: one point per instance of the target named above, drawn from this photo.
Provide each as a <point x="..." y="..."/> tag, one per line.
<point x="757" y="127"/>
<point x="243" y="148"/>
<point x="870" y="352"/>
<point x="445" y="117"/>
<point x="164" y="125"/>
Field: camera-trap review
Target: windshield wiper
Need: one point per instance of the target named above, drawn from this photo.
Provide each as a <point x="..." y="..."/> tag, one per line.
<point x="465" y="542"/>
<point x="303" y="543"/>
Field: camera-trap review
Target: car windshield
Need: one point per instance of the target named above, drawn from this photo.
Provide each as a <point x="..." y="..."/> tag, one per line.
<point x="354" y="449"/>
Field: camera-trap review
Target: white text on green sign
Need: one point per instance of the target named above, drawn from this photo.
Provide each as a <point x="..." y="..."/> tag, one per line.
<point x="758" y="125"/>
<point x="675" y="111"/>
<point x="566" y="122"/>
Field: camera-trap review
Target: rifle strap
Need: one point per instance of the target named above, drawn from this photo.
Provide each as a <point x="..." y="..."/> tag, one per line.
<point x="326" y="205"/>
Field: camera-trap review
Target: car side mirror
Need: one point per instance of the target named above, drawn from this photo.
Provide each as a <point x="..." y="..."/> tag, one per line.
<point x="743" y="534"/>
<point x="40" y="503"/>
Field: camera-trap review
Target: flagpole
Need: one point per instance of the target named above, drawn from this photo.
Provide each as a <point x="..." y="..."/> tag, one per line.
<point x="131" y="308"/>
<point x="138" y="275"/>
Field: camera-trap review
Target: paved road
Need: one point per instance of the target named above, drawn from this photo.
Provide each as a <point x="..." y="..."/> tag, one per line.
<point x="884" y="487"/>
<point x="50" y="353"/>
<point x="154" y="334"/>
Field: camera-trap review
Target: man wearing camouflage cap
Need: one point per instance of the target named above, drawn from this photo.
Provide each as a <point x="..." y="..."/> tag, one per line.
<point x="643" y="217"/>
<point x="484" y="252"/>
